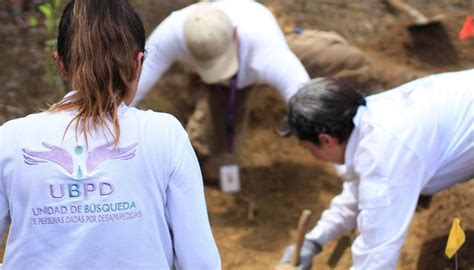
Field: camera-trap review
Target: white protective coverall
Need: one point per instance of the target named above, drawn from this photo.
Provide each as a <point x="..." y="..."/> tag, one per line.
<point x="415" y="139"/>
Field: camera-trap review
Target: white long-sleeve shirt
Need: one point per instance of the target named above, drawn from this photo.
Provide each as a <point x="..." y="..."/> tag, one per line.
<point x="139" y="205"/>
<point x="415" y="139"/>
<point x="264" y="56"/>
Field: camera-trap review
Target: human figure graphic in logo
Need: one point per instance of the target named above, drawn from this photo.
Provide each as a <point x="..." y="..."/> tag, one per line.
<point x="74" y="164"/>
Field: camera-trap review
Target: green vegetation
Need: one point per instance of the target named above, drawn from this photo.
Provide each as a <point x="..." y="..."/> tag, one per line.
<point x="51" y="16"/>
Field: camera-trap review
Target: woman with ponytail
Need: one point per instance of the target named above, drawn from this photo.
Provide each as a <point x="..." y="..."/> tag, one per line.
<point x="415" y="139"/>
<point x="93" y="183"/>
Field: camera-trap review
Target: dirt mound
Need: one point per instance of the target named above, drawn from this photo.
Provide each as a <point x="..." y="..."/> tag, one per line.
<point x="447" y="205"/>
<point x="401" y="54"/>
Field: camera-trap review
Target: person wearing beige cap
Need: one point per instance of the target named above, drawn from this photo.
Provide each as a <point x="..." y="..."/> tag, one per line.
<point x="231" y="45"/>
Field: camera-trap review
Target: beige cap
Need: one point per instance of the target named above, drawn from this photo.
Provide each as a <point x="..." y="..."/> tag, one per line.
<point x="209" y="36"/>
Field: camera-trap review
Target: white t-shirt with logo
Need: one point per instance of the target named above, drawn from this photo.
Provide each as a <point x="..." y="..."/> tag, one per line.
<point x="72" y="205"/>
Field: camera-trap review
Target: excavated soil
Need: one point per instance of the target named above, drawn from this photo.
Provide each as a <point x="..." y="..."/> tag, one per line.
<point x="279" y="179"/>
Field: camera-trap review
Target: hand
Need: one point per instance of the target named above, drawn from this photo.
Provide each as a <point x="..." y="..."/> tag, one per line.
<point x="308" y="250"/>
<point x="105" y="152"/>
<point x="55" y="154"/>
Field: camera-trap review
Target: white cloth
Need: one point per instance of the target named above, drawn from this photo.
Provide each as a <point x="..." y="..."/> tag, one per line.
<point x="138" y="206"/>
<point x="264" y="56"/>
<point x="415" y="139"/>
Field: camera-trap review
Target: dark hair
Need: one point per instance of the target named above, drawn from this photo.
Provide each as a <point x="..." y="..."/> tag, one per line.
<point x="98" y="42"/>
<point x="323" y="105"/>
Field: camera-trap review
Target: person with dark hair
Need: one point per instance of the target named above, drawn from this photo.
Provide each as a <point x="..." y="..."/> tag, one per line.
<point x="415" y="139"/>
<point x="92" y="183"/>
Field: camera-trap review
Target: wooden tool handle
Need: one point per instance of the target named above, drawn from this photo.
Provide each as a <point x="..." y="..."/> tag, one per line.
<point x="301" y="231"/>
<point x="414" y="13"/>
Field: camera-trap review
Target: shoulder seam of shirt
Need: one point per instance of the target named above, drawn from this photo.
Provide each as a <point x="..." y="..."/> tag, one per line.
<point x="401" y="142"/>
